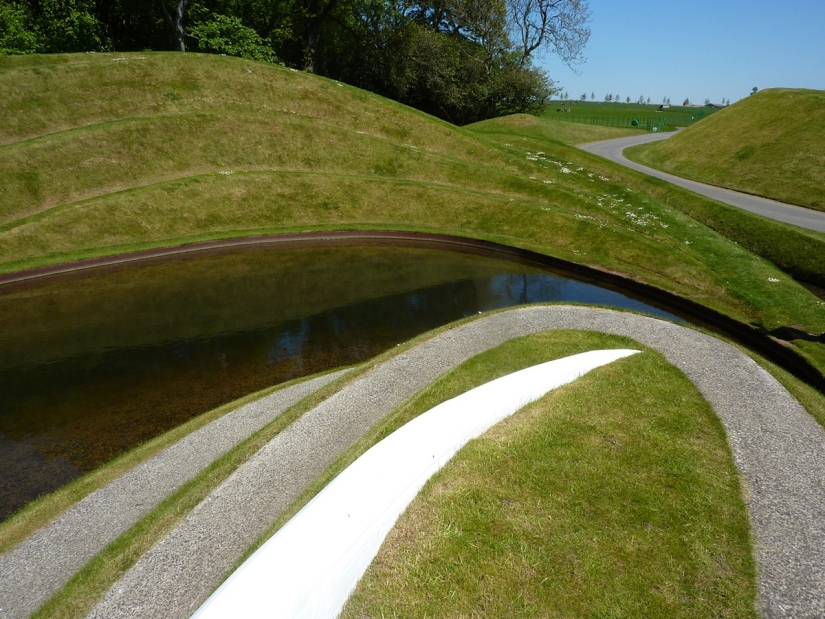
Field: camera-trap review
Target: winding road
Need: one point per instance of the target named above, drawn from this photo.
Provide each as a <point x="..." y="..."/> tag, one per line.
<point x="787" y="213"/>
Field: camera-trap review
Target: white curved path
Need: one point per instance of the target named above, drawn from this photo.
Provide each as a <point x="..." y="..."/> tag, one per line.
<point x="310" y="566"/>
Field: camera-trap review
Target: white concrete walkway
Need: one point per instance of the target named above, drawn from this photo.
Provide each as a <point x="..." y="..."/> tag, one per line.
<point x="309" y="567"/>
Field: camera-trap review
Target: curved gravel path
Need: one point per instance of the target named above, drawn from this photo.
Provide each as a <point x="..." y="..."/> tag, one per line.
<point x="35" y="569"/>
<point x="787" y="213"/>
<point x="777" y="446"/>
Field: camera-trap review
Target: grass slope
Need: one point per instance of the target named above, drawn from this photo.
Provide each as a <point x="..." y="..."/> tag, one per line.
<point x="630" y="510"/>
<point x="106" y="153"/>
<point x="771" y="144"/>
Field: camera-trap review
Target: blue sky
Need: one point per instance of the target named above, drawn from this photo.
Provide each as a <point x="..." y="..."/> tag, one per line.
<point x="705" y="48"/>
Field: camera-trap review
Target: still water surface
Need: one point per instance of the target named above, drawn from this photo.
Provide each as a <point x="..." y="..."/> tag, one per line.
<point x="94" y="365"/>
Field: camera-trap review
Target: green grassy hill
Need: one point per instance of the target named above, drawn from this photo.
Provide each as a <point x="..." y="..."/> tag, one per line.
<point x="771" y="144"/>
<point x="107" y="153"/>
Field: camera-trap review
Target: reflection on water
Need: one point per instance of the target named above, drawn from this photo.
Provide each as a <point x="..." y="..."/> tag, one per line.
<point x="96" y="365"/>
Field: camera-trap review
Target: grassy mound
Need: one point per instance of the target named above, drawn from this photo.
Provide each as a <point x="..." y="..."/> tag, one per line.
<point x="632" y="510"/>
<point x="771" y="144"/>
<point x="107" y="153"/>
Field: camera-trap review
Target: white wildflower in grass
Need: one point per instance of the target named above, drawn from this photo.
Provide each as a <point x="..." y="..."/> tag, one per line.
<point x="580" y="216"/>
<point x="565" y="170"/>
<point x="603" y="178"/>
<point x="360" y="132"/>
<point x="506" y="144"/>
<point x="773" y="280"/>
<point x="547" y="182"/>
<point x="226" y="172"/>
<point x="590" y="175"/>
<point x="532" y="178"/>
<point x="579" y="169"/>
<point x="293" y="70"/>
<point x="686" y="242"/>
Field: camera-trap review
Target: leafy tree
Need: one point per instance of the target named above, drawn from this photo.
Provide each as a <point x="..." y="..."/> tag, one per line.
<point x="628" y="100"/>
<point x="17" y="33"/>
<point x="593" y="96"/>
<point x="69" y="26"/>
<point x="754" y="90"/>
<point x="222" y="34"/>
<point x="686" y="102"/>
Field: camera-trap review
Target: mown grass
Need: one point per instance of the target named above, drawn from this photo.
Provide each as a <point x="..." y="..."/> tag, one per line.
<point x="86" y="588"/>
<point x="88" y="585"/>
<point x="621" y="114"/>
<point x="614" y="496"/>
<point x="770" y="144"/>
<point x="170" y="153"/>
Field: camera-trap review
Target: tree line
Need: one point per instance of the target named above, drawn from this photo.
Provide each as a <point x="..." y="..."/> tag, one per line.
<point x="461" y="60"/>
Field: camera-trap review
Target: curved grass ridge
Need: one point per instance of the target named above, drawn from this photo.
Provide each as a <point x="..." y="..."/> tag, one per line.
<point x="171" y="154"/>
<point x="771" y="144"/>
<point x="569" y="507"/>
<point x="316" y="560"/>
<point x="90" y="583"/>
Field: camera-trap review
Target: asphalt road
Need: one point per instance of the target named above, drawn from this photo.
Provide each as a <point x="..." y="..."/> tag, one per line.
<point x="787" y="213"/>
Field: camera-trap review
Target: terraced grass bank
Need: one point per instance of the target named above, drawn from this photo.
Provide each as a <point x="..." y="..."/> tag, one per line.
<point x="770" y="144"/>
<point x="107" y="153"/>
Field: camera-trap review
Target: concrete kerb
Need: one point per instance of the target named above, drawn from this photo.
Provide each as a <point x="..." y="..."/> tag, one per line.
<point x="777" y="446"/>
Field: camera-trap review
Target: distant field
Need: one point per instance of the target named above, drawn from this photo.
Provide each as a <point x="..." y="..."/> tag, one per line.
<point x="771" y="144"/>
<point x="623" y="114"/>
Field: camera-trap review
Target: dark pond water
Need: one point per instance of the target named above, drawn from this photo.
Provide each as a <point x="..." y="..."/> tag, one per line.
<point x="92" y="366"/>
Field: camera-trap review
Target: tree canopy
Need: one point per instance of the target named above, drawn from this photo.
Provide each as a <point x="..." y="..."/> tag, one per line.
<point x="461" y="60"/>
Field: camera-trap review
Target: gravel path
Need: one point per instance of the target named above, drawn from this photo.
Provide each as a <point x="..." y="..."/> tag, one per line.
<point x="34" y="570"/>
<point x="778" y="447"/>
<point x="788" y="213"/>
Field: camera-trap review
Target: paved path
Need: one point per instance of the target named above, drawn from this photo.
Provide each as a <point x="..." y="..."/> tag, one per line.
<point x="788" y="213"/>
<point x="34" y="570"/>
<point x="777" y="446"/>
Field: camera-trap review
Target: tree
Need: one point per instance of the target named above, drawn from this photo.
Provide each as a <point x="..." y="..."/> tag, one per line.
<point x="583" y="97"/>
<point x="608" y="98"/>
<point x="557" y="26"/>
<point x="68" y="26"/>
<point x="707" y="101"/>
<point x="174" y="20"/>
<point x="628" y="100"/>
<point x="755" y="90"/>
<point x="17" y="34"/>
<point x="648" y="100"/>
<point x="593" y="96"/>
<point x="222" y="34"/>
